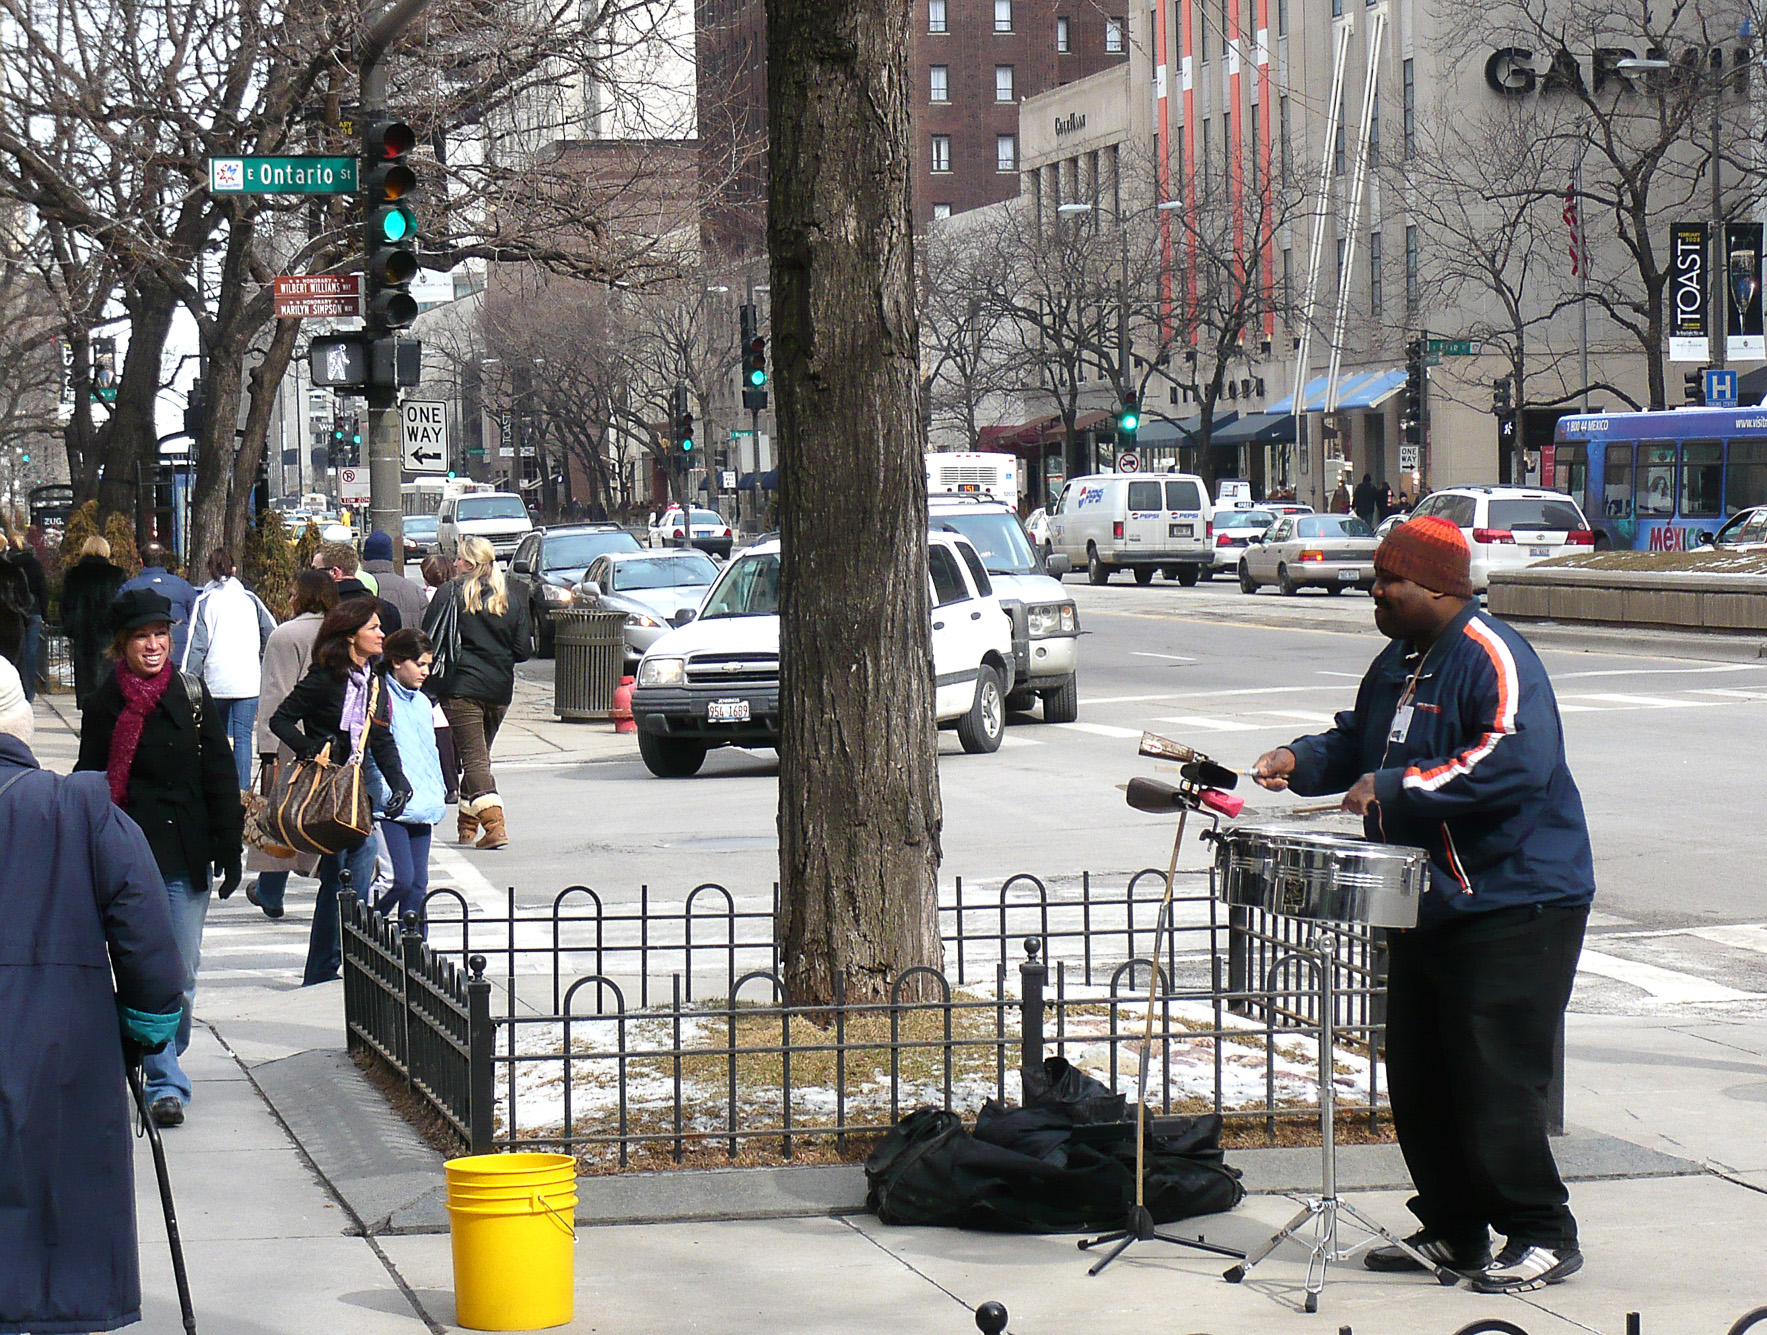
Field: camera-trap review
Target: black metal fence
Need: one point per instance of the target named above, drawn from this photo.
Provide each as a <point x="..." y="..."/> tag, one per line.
<point x="652" y="1032"/>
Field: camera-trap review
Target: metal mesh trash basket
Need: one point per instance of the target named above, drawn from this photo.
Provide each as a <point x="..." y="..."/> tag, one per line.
<point x="586" y="670"/>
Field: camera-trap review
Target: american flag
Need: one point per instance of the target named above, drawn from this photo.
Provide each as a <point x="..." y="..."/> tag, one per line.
<point x="1573" y="221"/>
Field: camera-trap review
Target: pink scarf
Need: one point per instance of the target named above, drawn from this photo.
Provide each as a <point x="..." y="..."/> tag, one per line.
<point x="140" y="695"/>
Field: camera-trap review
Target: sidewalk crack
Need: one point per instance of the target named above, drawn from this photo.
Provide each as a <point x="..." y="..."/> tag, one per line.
<point x="904" y="1263"/>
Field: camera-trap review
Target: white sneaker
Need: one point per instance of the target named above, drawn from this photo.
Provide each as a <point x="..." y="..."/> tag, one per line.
<point x="1519" y="1268"/>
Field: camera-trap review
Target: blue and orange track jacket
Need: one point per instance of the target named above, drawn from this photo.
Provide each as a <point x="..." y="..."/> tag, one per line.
<point x="1476" y="776"/>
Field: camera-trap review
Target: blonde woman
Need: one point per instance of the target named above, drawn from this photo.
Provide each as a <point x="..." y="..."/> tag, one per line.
<point x="475" y="678"/>
<point x="86" y="593"/>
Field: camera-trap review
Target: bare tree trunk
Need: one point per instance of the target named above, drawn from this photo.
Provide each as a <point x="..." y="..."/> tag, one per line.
<point x="128" y="443"/>
<point x="859" y="808"/>
<point x="265" y="377"/>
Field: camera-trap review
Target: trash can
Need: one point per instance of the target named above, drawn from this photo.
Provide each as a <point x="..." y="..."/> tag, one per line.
<point x="590" y="653"/>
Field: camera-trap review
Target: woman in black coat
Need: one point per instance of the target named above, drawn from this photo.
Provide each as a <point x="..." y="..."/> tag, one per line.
<point x="162" y="743"/>
<point x="329" y="707"/>
<point x="86" y="593"/>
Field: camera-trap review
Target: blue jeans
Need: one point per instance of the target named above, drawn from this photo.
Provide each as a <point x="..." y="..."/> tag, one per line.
<point x="408" y="847"/>
<point x="241" y="716"/>
<point x="190" y="909"/>
<point x="270" y="887"/>
<point x="27" y="656"/>
<point x="325" y="947"/>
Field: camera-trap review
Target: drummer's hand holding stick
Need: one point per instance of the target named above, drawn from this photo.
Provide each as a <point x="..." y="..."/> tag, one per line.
<point x="1361" y="796"/>
<point x="1273" y="769"/>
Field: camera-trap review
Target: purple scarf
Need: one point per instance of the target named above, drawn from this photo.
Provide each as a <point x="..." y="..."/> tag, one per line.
<point x="140" y="695"/>
<point x="355" y="712"/>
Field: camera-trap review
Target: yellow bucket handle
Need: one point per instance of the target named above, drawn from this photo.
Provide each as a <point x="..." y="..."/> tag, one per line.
<point x="568" y="1225"/>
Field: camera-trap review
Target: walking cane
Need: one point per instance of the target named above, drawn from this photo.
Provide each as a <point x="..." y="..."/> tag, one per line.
<point x="159" y="1167"/>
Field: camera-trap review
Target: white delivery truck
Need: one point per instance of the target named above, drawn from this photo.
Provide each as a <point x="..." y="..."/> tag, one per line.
<point x="1136" y="522"/>
<point x="995" y="476"/>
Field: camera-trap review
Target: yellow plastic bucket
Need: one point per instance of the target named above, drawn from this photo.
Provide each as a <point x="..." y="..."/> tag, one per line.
<point x="511" y="1221"/>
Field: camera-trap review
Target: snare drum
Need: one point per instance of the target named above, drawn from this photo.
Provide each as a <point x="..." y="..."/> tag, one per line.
<point x="1329" y="877"/>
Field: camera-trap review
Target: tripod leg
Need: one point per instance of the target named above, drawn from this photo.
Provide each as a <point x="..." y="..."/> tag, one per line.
<point x="1324" y="1243"/>
<point x="1111" y="1255"/>
<point x="1086" y="1243"/>
<point x="1272" y="1242"/>
<point x="1444" y="1276"/>
<point x="1201" y="1246"/>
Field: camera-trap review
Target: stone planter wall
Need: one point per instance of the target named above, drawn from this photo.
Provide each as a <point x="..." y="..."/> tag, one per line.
<point x="1678" y="600"/>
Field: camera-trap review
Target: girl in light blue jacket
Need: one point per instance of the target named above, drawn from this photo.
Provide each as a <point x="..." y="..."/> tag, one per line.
<point x="405" y="664"/>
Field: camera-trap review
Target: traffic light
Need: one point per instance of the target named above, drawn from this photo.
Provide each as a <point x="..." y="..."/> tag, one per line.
<point x="1693" y="386"/>
<point x="683" y="420"/>
<point x="391" y="227"/>
<point x="1502" y="397"/>
<point x="1128" y="418"/>
<point x="1411" y="406"/>
<point x="754" y="361"/>
<point x="193" y="410"/>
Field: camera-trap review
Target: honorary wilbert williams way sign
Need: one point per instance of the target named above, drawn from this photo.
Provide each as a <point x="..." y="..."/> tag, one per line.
<point x="282" y="176"/>
<point x="312" y="296"/>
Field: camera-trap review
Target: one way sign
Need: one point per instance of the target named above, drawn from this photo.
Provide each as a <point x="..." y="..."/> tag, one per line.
<point x="425" y="432"/>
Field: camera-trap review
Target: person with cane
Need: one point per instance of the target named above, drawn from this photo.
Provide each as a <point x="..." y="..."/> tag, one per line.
<point x="81" y="904"/>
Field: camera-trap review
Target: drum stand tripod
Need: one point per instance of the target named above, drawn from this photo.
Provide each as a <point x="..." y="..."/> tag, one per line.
<point x="1323" y="1210"/>
<point x="1139" y="1227"/>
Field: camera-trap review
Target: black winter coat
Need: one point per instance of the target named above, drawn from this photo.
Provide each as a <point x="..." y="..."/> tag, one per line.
<point x="183" y="791"/>
<point x="81" y="903"/>
<point x="490" y="647"/>
<point x="312" y="715"/>
<point x="26" y="560"/>
<point x="86" y="595"/>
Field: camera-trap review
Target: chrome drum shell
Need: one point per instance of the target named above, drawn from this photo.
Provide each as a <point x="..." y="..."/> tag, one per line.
<point x="1327" y="877"/>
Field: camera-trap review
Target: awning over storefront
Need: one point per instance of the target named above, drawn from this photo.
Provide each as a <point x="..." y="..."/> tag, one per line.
<point x="1184" y="431"/>
<point x="1365" y="389"/>
<point x="1257" y="429"/>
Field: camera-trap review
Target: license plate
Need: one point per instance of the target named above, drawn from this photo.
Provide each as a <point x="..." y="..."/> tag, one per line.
<point x="1539" y="551"/>
<point x="1349" y="576"/>
<point x="1182" y="530"/>
<point x="727" y="711"/>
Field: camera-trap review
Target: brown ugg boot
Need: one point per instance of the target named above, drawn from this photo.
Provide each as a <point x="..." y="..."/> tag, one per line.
<point x="469" y="820"/>
<point x="490" y="814"/>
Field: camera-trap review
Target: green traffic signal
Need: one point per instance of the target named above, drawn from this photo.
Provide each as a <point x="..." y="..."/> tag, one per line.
<point x="757" y="377"/>
<point x="393" y="222"/>
<point x="1128" y="421"/>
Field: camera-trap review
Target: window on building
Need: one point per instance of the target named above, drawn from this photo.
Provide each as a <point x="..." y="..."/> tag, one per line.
<point x="941" y="152"/>
<point x="1006" y="152"/>
<point x="1374" y="274"/>
<point x="1202" y="38"/>
<point x="1337" y="8"/>
<point x="1227" y="150"/>
<point x="1002" y="15"/>
<point x="1253" y="156"/>
<point x="1003" y="83"/>
<point x="1338" y="277"/>
<point x="935" y="16"/>
<point x="940" y="80"/>
<point x="1063" y="43"/>
<point x="1288" y="166"/>
<point x="1204" y="161"/>
<point x="1410" y="117"/>
<point x="1113" y="35"/>
<point x="1282" y="18"/>
<point x="1374" y="130"/>
<point x="941" y="212"/>
<point x="1341" y="142"/>
<point x="1288" y="286"/>
<point x="1411" y="269"/>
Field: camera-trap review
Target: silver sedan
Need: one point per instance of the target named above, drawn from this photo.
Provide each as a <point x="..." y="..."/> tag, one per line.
<point x="1331" y="552"/>
<point x="653" y="589"/>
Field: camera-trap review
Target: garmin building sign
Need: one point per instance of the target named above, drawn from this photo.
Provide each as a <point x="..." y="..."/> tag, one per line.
<point x="1516" y="71"/>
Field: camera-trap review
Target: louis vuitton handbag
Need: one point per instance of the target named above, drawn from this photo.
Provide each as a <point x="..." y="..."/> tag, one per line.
<point x="321" y="807"/>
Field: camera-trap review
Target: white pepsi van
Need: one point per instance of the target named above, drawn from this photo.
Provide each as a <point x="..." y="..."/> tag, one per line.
<point x="1139" y="522"/>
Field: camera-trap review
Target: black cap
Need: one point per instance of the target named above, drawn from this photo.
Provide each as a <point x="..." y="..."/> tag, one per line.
<point x="137" y="608"/>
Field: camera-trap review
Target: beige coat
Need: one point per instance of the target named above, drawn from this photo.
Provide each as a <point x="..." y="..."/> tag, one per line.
<point x="286" y="655"/>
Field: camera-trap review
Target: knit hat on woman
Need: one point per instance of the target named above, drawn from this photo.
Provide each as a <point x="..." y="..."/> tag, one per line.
<point x="1430" y="552"/>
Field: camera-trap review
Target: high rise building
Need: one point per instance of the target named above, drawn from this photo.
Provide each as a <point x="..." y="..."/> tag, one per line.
<point x="973" y="62"/>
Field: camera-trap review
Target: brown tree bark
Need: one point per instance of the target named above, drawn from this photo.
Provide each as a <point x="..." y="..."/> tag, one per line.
<point x="859" y="808"/>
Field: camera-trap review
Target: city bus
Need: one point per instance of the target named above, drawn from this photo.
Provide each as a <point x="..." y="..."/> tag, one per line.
<point x="1660" y="481"/>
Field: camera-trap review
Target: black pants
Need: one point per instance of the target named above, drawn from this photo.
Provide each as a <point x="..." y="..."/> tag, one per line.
<point x="1473" y="1010"/>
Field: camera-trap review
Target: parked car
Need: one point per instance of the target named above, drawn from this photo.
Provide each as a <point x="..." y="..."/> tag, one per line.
<point x="710" y="531"/>
<point x="651" y="588"/>
<point x="1045" y="622"/>
<point x="1746" y="531"/>
<point x="715" y="681"/>
<point x="1123" y="521"/>
<point x="1331" y="552"/>
<point x="550" y="561"/>
<point x="1287" y="508"/>
<point x="1388" y="524"/>
<point x="1509" y="528"/>
<point x="1234" y="529"/>
<point x="420" y="536"/>
<point x="499" y="517"/>
<point x="1038" y="528"/>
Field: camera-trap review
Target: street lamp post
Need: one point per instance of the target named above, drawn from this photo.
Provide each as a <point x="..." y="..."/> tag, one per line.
<point x="1123" y="378"/>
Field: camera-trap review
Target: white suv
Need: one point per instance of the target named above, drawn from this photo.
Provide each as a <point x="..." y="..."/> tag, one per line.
<point x="499" y="517"/>
<point x="1508" y="528"/>
<point x="715" y="680"/>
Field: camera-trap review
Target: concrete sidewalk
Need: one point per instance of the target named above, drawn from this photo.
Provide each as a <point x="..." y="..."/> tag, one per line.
<point x="307" y="1205"/>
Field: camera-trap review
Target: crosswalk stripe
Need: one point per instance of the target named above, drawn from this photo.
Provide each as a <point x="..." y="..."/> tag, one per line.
<point x="1215" y="724"/>
<point x="1304" y="715"/>
<point x="1751" y="696"/>
<point x="1012" y="740"/>
<point x="1741" y="936"/>
<point x="1103" y="730"/>
<point x="1670" y="986"/>
<point x="469" y="880"/>
<point x="212" y="950"/>
<point x="1566" y="708"/>
<point x="1642" y="701"/>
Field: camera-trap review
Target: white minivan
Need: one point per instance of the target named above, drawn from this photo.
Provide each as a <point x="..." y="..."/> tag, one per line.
<point x="499" y="517"/>
<point x="1135" y="522"/>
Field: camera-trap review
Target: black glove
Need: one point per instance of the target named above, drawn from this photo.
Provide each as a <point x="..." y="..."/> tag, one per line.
<point x="396" y="802"/>
<point x="228" y="869"/>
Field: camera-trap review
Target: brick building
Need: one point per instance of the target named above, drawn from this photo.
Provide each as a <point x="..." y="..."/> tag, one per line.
<point x="972" y="63"/>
